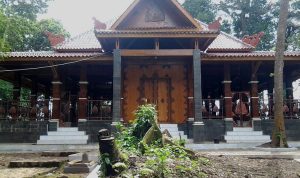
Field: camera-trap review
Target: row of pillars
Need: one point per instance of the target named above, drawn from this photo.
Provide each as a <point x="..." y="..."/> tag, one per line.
<point x="197" y="89"/>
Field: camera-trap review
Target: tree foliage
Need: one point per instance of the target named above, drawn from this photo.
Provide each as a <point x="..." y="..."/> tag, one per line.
<point x="250" y="17"/>
<point x="203" y="10"/>
<point x="19" y="28"/>
<point x="293" y="27"/>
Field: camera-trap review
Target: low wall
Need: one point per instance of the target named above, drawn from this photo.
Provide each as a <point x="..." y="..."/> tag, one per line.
<point x="22" y="131"/>
<point x="292" y="127"/>
<point x="92" y="127"/>
<point x="213" y="129"/>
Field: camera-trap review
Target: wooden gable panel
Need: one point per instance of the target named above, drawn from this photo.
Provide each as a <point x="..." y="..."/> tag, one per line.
<point x="155" y="14"/>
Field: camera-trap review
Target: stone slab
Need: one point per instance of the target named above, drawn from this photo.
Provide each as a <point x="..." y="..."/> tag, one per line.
<point x="93" y="156"/>
<point x="35" y="163"/>
<point x="79" y="169"/>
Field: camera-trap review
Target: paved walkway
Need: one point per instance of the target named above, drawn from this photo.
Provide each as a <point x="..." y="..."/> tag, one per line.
<point x="14" y="148"/>
<point x="29" y="148"/>
<point x="229" y="146"/>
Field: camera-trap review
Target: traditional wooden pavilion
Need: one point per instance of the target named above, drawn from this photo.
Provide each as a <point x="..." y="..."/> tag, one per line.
<point x="193" y="72"/>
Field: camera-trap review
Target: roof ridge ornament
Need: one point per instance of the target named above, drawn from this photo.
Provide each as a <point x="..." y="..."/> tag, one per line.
<point x="54" y="39"/>
<point x="216" y="25"/>
<point x="98" y="25"/>
<point x="253" y="40"/>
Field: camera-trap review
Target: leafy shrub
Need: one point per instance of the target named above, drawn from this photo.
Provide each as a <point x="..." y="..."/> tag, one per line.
<point x="145" y="116"/>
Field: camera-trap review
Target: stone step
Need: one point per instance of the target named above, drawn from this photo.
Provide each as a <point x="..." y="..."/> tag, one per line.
<point x="63" y="137"/>
<point x="172" y="129"/>
<point x="62" y="142"/>
<point x="168" y="125"/>
<point x="242" y="129"/>
<point x="67" y="129"/>
<point x="66" y="133"/>
<point x="248" y="137"/>
<point x="249" y="141"/>
<point x="244" y="133"/>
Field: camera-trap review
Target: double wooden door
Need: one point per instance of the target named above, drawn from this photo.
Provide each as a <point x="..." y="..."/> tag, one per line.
<point x="157" y="91"/>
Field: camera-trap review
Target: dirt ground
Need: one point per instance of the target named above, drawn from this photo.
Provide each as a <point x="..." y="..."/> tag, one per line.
<point x="251" y="167"/>
<point x="6" y="172"/>
<point x="220" y="166"/>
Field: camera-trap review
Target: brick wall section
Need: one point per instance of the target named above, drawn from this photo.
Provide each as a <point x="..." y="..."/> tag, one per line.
<point x="22" y="131"/>
<point x="292" y="128"/>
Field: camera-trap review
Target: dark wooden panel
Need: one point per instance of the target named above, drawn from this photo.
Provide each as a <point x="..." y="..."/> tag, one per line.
<point x="166" y="87"/>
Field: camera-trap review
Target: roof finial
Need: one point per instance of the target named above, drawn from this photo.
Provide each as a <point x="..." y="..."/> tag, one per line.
<point x="254" y="39"/>
<point x="54" y="39"/>
<point x="216" y="25"/>
<point x="99" y="25"/>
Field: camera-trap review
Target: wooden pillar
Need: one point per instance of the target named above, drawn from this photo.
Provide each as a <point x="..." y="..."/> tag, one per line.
<point x="83" y="100"/>
<point x="197" y="85"/>
<point x="13" y="110"/>
<point x="270" y="98"/>
<point x="56" y="92"/>
<point x="289" y="88"/>
<point x="117" y="85"/>
<point x="227" y="91"/>
<point x="254" y="99"/>
<point x="33" y="94"/>
<point x="17" y="87"/>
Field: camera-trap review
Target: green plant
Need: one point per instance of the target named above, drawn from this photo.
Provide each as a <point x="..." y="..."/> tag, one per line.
<point x="159" y="159"/>
<point x="145" y="117"/>
<point x="105" y="162"/>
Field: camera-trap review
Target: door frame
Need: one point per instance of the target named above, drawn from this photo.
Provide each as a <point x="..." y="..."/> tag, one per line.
<point x="154" y="79"/>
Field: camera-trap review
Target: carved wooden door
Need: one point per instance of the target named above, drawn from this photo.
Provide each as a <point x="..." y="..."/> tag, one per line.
<point x="157" y="91"/>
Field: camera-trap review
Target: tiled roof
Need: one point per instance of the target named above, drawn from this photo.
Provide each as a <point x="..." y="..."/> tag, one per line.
<point x="159" y="31"/>
<point x="88" y="41"/>
<point x="251" y="54"/>
<point x="49" y="54"/>
<point x="225" y="42"/>
<point x="83" y="42"/>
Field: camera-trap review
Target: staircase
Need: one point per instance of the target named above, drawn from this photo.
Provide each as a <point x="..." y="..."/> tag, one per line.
<point x="173" y="130"/>
<point x="246" y="135"/>
<point x="64" y="136"/>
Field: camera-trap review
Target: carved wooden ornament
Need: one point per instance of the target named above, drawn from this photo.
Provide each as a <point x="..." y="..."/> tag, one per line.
<point x="98" y="25"/>
<point x="54" y="39"/>
<point x="216" y="25"/>
<point x="254" y="39"/>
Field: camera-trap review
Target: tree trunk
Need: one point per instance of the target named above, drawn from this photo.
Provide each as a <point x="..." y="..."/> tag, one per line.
<point x="278" y="135"/>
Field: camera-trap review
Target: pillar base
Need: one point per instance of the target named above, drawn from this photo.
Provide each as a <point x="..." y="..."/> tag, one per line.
<point x="82" y="124"/>
<point x="198" y="132"/>
<point x="256" y="124"/>
<point x="189" y="124"/>
<point x="53" y="125"/>
<point x="228" y="124"/>
<point x="114" y="128"/>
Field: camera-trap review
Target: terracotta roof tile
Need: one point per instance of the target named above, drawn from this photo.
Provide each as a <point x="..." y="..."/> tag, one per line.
<point x="225" y="42"/>
<point x="159" y="31"/>
<point x="251" y="54"/>
<point x="83" y="42"/>
<point x="50" y="54"/>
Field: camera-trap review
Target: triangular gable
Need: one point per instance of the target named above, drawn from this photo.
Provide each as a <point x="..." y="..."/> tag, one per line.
<point x="152" y="14"/>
